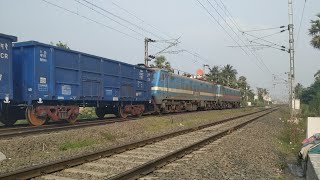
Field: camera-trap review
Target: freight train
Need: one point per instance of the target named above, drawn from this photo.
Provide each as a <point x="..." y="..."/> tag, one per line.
<point x="41" y="82"/>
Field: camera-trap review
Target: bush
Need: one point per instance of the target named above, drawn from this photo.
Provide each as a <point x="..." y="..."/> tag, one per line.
<point x="87" y="113"/>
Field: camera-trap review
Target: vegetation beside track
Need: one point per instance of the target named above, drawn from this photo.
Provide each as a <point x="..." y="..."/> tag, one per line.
<point x="289" y="140"/>
<point x="72" y="144"/>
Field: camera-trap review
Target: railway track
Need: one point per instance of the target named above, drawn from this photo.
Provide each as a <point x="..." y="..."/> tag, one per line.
<point x="22" y="131"/>
<point x="136" y="159"/>
<point x="10" y="132"/>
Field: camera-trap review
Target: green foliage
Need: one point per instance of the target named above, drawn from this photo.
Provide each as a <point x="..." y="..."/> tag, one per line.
<point x="214" y="75"/>
<point x="298" y="90"/>
<point x="226" y="76"/>
<point x="109" y="136"/>
<point x="87" y="113"/>
<point x="310" y="98"/>
<point x="162" y="63"/>
<point x="292" y="134"/>
<point x="73" y="144"/>
<point x="262" y="92"/>
<point x="314" y="31"/>
<point x="61" y="45"/>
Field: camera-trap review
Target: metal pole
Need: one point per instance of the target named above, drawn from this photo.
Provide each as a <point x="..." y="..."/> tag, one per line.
<point x="291" y="51"/>
<point x="146" y="51"/>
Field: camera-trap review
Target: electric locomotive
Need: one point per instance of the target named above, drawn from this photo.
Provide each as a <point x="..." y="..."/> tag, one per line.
<point x="175" y="93"/>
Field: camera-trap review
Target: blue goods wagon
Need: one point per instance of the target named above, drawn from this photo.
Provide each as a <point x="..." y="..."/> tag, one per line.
<point x="6" y="82"/>
<point x="175" y="93"/>
<point x="54" y="82"/>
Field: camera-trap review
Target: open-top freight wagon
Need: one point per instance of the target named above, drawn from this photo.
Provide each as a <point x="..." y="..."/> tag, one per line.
<point x="54" y="82"/>
<point x="6" y="81"/>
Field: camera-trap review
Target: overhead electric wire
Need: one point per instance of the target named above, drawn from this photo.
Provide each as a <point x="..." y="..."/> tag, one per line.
<point x="129" y="22"/>
<point x="183" y="49"/>
<point x="282" y="48"/>
<point x="225" y="9"/>
<point x="265" y="29"/>
<point x="109" y="18"/>
<point x="259" y="38"/>
<point x="139" y="33"/>
<point x="264" y="40"/>
<point x="92" y="20"/>
<point x="143" y="21"/>
<point x="226" y="31"/>
<point x="112" y="28"/>
<point x="304" y="6"/>
<point x="122" y="19"/>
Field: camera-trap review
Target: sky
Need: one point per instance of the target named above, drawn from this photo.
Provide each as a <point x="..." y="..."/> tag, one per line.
<point x="116" y="29"/>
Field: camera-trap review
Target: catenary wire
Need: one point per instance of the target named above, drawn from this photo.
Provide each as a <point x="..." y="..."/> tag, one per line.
<point x="87" y="18"/>
<point x="302" y="15"/>
<point x="227" y="32"/>
<point x="225" y="9"/>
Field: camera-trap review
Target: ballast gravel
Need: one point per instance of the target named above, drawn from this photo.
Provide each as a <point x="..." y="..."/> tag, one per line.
<point x="249" y="153"/>
<point x="31" y="150"/>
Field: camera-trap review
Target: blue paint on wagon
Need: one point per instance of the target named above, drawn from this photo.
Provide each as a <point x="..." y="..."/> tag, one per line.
<point x="55" y="74"/>
<point x="6" y="81"/>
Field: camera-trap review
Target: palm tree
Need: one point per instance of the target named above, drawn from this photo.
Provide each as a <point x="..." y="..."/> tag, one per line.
<point x="317" y="75"/>
<point x="162" y="63"/>
<point x="314" y="31"/>
<point x="228" y="75"/>
<point x="214" y="74"/>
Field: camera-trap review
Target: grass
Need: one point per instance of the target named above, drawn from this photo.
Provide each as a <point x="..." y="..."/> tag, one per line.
<point x="188" y="120"/>
<point x="74" y="144"/>
<point x="292" y="134"/>
<point x="109" y="136"/>
<point x="289" y="140"/>
<point x="87" y="113"/>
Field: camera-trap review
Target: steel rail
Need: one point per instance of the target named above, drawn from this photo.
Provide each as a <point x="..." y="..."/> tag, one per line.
<point x="152" y="165"/>
<point x="59" y="127"/>
<point x="29" y="130"/>
<point x="50" y="167"/>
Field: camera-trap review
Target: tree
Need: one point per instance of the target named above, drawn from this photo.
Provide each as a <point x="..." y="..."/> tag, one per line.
<point x="61" y="45"/>
<point x="243" y="86"/>
<point x="229" y="76"/>
<point x="317" y="75"/>
<point x="298" y="90"/>
<point x="314" y="31"/>
<point x="213" y="75"/>
<point x="162" y="63"/>
<point x="242" y="83"/>
<point x="262" y="92"/>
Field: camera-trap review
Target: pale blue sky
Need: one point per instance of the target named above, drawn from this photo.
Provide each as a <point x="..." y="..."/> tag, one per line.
<point x="37" y="20"/>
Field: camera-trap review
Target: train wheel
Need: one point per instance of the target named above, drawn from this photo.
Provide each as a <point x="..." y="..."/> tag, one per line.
<point x="72" y="119"/>
<point x="6" y="121"/>
<point x="122" y="113"/>
<point x="33" y="119"/>
<point x="100" y="113"/>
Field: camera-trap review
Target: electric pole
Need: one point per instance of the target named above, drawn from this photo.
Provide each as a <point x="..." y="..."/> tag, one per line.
<point x="146" y="50"/>
<point x="291" y="51"/>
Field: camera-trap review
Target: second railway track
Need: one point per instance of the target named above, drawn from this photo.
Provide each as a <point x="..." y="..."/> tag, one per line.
<point x="11" y="132"/>
<point x="133" y="160"/>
